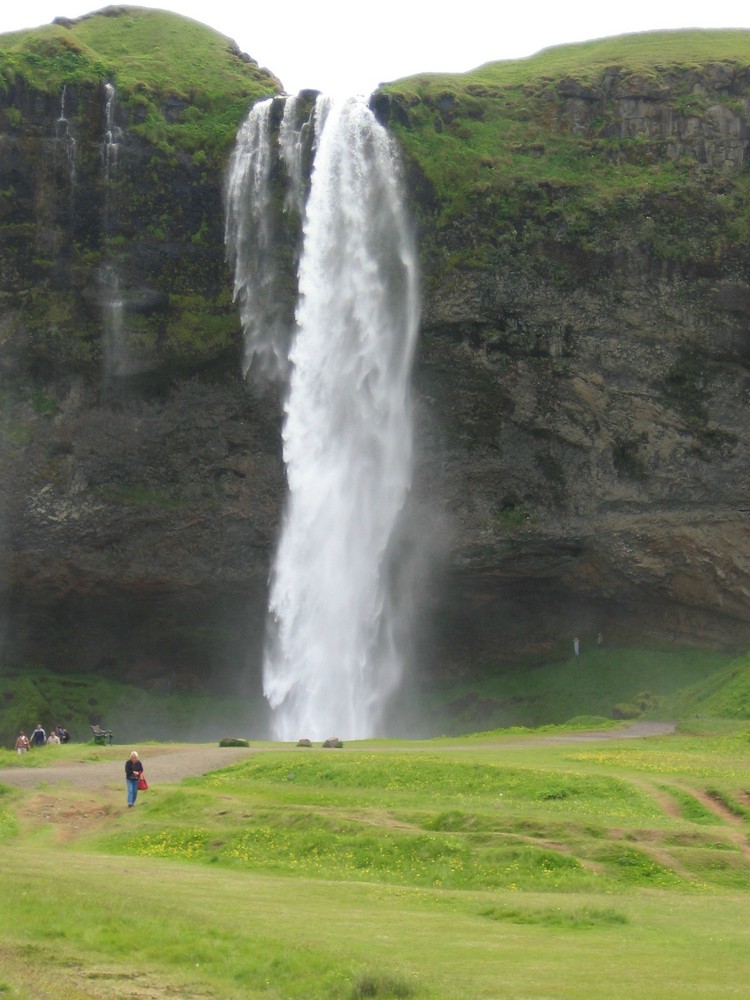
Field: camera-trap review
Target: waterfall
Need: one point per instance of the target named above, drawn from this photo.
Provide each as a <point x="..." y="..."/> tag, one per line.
<point x="111" y="138"/>
<point x="112" y="133"/>
<point x="332" y="658"/>
<point x="295" y="137"/>
<point x="65" y="138"/>
<point x="252" y="237"/>
<point x="116" y="351"/>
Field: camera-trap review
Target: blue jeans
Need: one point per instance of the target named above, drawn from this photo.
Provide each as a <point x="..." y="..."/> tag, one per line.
<point x="132" y="784"/>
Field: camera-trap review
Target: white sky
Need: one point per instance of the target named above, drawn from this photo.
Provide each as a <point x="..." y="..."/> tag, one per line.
<point x="349" y="48"/>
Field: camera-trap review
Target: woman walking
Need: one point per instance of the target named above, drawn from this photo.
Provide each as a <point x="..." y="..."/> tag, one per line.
<point x="133" y="771"/>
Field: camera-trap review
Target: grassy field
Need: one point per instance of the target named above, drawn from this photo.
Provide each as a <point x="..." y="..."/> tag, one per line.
<point x="506" y="864"/>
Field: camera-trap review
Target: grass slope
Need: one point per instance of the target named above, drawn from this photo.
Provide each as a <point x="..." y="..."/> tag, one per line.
<point x="602" y="681"/>
<point x="647" y="53"/>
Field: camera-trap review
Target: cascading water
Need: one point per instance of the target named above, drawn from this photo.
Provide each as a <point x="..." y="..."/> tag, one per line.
<point x="252" y="237"/>
<point x="332" y="659"/>
<point x="116" y="354"/>
<point x="109" y="149"/>
<point x="65" y="138"/>
<point x="295" y="139"/>
<point x="112" y="132"/>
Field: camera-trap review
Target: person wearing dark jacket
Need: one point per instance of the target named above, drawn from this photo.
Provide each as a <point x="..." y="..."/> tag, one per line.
<point x="133" y="771"/>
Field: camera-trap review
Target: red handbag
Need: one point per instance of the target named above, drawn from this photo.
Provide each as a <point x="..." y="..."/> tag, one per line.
<point x="142" y="783"/>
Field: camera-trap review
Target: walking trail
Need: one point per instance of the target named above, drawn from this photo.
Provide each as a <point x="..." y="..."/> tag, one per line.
<point x="167" y="765"/>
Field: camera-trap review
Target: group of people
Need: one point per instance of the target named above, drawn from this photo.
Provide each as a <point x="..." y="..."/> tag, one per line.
<point x="134" y="777"/>
<point x="39" y="738"/>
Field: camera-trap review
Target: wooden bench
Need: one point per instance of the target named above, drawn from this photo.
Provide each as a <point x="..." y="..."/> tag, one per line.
<point x="101" y="736"/>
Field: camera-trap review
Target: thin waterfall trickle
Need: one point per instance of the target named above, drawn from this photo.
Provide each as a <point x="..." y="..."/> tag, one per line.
<point x="112" y="132"/>
<point x="332" y="658"/>
<point x="117" y="359"/>
<point x="65" y="139"/>
<point x="110" y="147"/>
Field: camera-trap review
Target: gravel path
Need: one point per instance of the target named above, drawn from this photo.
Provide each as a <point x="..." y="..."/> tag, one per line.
<point x="168" y="766"/>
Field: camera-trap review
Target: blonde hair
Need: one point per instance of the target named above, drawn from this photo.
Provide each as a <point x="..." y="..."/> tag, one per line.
<point x="134" y="753"/>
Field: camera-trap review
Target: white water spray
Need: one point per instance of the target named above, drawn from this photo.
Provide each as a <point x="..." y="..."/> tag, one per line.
<point x="332" y="658"/>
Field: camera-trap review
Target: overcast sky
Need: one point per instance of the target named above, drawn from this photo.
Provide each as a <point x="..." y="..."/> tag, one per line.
<point x="350" y="48"/>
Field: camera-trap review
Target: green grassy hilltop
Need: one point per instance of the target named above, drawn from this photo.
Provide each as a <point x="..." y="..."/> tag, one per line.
<point x="151" y="57"/>
<point x="495" y="137"/>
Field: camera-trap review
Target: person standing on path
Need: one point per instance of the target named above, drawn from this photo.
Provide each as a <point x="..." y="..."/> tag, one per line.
<point x="133" y="771"/>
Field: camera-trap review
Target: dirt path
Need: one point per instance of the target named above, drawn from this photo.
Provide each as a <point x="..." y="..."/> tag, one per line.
<point x="169" y="765"/>
<point x="162" y="765"/>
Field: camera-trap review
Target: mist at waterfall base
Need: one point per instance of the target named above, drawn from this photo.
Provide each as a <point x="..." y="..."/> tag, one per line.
<point x="337" y="617"/>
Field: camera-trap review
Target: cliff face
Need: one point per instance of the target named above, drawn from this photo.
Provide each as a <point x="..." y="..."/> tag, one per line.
<point x="141" y="479"/>
<point x="583" y="373"/>
<point x="581" y="384"/>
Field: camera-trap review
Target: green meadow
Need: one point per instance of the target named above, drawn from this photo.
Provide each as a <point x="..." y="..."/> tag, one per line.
<point x="527" y="864"/>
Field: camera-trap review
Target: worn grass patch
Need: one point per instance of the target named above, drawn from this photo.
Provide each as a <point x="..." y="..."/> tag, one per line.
<point x="582" y="918"/>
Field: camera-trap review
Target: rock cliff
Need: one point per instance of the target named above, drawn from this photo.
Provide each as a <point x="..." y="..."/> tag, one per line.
<point x="141" y="479"/>
<point x="583" y="372"/>
<point x="581" y="384"/>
